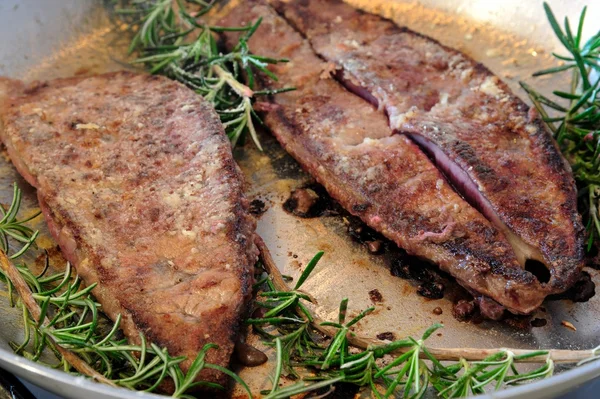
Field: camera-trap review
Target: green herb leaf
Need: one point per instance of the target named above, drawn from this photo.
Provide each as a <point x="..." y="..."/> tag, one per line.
<point x="577" y="131"/>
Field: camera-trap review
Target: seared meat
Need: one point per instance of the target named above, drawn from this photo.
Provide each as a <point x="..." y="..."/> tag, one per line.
<point x="136" y="180"/>
<point x="493" y="148"/>
<point x="384" y="179"/>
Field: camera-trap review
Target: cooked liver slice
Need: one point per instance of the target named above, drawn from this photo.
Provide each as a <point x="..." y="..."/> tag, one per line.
<point x="494" y="149"/>
<point x="137" y="182"/>
<point x="383" y="178"/>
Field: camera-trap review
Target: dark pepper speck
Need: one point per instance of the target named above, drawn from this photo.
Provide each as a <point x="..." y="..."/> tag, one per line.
<point x="375" y="296"/>
<point x="257" y="207"/>
<point x="386" y="336"/>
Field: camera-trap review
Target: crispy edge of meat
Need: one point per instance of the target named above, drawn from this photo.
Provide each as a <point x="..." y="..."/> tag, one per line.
<point x="297" y="145"/>
<point x="16" y="91"/>
<point x="563" y="255"/>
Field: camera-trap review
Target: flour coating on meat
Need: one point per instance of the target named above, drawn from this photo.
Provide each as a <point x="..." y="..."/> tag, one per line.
<point x="495" y="149"/>
<point x="385" y="179"/>
<point x="135" y="177"/>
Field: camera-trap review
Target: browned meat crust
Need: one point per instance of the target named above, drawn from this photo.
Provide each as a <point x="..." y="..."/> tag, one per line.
<point x="481" y="134"/>
<point x="383" y="178"/>
<point x="138" y="185"/>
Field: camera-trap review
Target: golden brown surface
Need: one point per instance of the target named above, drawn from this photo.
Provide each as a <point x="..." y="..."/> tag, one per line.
<point x="468" y="117"/>
<point x="138" y="185"/>
<point x="383" y="178"/>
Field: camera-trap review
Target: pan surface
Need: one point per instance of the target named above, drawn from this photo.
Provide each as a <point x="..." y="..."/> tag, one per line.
<point x="43" y="39"/>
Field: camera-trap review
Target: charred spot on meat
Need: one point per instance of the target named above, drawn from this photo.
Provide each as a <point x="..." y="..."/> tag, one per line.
<point x="257" y="207"/>
<point x="582" y="291"/>
<point x="311" y="201"/>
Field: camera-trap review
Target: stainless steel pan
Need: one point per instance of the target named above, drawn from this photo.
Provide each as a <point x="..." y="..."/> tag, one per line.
<point x="43" y="39"/>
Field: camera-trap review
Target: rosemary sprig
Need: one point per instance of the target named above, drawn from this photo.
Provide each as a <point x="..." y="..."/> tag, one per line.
<point x="65" y="320"/>
<point x="498" y="369"/>
<point x="172" y="40"/>
<point x="404" y="368"/>
<point x="61" y="317"/>
<point x="16" y="229"/>
<point x="574" y="116"/>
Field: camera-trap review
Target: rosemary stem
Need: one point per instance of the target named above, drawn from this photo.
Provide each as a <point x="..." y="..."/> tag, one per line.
<point x="241" y="89"/>
<point x="13" y="274"/>
<point x="456" y="354"/>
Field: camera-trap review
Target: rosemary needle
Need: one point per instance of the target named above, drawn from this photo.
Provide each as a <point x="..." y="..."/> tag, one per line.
<point x="403" y="368"/>
<point x="16" y="229"/>
<point x="60" y="316"/>
<point x="171" y="39"/>
<point x="66" y="318"/>
<point x="574" y="115"/>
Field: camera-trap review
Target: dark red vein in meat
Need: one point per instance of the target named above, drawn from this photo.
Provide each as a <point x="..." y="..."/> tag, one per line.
<point x="465" y="186"/>
<point x="498" y="155"/>
<point x="383" y="178"/>
<point x="461" y="181"/>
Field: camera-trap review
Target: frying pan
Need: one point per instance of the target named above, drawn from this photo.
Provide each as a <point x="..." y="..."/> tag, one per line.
<point x="43" y="39"/>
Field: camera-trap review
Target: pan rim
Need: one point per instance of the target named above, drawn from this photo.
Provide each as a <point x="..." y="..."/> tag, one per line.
<point x="24" y="368"/>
